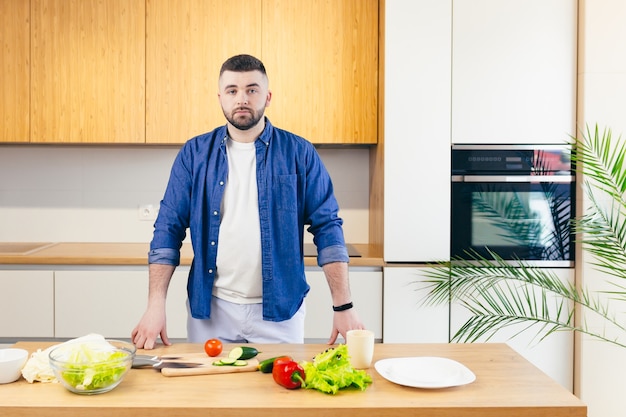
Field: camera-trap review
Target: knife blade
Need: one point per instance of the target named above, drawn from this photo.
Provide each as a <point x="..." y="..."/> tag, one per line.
<point x="154" y="362"/>
<point x="153" y="357"/>
<point x="179" y="365"/>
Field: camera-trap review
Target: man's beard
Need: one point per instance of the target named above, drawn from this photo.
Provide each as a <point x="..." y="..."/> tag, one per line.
<point x="244" y="122"/>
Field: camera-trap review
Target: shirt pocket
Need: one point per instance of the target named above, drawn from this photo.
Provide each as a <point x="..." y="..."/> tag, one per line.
<point x="286" y="192"/>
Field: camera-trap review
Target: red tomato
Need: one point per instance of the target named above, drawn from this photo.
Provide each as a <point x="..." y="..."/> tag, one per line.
<point x="213" y="347"/>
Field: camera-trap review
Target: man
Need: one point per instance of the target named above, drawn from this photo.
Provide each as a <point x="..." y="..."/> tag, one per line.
<point x="246" y="191"/>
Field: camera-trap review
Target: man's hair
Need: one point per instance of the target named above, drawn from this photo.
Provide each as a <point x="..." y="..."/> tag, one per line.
<point x="243" y="63"/>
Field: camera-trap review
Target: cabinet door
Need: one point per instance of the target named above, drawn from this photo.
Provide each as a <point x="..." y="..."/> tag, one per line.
<point x="366" y="286"/>
<point x="186" y="44"/>
<point x="322" y="62"/>
<point x="111" y="302"/>
<point x="176" y="308"/>
<point x="554" y="354"/>
<point x="26" y="304"/>
<point x="417" y="130"/>
<point x="514" y="71"/>
<point x="15" y="70"/>
<point x="406" y="320"/>
<point x="88" y="71"/>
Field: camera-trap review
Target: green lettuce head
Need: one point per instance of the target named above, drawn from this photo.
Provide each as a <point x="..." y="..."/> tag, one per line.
<point x="331" y="371"/>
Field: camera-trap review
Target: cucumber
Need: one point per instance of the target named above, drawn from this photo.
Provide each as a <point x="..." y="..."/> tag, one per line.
<point x="243" y="353"/>
<point x="267" y="365"/>
<point x="225" y="361"/>
<point x="230" y="362"/>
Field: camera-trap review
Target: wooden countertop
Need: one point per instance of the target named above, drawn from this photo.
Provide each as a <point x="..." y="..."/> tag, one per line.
<point x="506" y="385"/>
<point x="85" y="253"/>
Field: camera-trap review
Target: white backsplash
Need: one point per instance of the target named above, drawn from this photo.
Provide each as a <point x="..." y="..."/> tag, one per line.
<point x="92" y="193"/>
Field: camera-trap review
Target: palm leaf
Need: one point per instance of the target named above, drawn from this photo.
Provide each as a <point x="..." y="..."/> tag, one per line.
<point x="499" y="294"/>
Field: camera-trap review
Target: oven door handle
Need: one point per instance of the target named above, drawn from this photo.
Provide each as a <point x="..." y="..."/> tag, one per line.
<point x="514" y="178"/>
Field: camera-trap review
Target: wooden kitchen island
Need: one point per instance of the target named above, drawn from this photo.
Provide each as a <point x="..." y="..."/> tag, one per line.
<point x="506" y="385"/>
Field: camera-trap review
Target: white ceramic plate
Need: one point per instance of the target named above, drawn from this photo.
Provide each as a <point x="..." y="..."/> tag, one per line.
<point x="425" y="372"/>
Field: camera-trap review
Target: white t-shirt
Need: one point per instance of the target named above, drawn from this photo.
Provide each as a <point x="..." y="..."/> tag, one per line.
<point x="239" y="275"/>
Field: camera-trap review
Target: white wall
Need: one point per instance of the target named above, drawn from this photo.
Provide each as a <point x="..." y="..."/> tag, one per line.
<point x="602" y="88"/>
<point x="92" y="193"/>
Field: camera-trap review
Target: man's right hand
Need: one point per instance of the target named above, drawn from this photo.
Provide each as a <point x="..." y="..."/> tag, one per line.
<point x="150" y="327"/>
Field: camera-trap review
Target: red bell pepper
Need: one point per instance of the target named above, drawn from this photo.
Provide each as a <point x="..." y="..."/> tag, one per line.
<point x="288" y="374"/>
<point x="282" y="359"/>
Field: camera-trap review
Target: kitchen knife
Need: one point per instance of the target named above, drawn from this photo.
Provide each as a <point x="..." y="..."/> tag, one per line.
<point x="178" y="365"/>
<point x="210" y="369"/>
<point x="146" y="361"/>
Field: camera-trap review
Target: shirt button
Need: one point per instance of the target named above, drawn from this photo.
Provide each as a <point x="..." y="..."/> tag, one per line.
<point x="221" y="182"/>
<point x="210" y="271"/>
<point x="213" y="243"/>
<point x="215" y="213"/>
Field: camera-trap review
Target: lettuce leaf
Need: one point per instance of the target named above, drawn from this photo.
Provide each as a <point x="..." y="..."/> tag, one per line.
<point x="91" y="369"/>
<point x="331" y="371"/>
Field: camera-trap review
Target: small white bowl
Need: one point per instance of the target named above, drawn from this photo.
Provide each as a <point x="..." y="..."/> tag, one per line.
<point x="12" y="361"/>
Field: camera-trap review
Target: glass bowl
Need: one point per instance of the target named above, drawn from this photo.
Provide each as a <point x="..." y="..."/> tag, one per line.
<point x="92" y="367"/>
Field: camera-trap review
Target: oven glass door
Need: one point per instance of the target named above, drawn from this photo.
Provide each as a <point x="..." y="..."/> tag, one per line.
<point x="517" y="220"/>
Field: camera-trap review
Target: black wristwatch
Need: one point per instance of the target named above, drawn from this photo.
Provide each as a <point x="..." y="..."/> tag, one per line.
<point x="343" y="307"/>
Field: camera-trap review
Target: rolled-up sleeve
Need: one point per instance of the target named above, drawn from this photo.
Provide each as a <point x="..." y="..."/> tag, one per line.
<point x="166" y="256"/>
<point x="335" y="253"/>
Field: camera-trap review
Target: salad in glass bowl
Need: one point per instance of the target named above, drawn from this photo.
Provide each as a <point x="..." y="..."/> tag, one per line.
<point x="92" y="367"/>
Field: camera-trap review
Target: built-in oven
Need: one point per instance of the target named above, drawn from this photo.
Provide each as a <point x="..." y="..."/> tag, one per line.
<point x="516" y="201"/>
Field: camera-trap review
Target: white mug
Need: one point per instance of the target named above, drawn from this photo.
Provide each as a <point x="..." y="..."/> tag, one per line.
<point x="360" y="348"/>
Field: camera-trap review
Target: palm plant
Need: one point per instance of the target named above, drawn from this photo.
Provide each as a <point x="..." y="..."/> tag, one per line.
<point x="499" y="294"/>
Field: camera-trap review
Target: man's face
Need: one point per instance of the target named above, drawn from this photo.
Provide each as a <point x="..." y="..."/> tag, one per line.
<point x="244" y="97"/>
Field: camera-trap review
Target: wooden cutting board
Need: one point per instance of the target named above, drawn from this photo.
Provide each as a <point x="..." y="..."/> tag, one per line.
<point x="207" y="367"/>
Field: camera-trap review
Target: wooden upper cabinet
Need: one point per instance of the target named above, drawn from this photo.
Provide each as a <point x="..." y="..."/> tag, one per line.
<point x="321" y="57"/>
<point x="146" y="71"/>
<point x="322" y="61"/>
<point x="14" y="68"/>
<point x="186" y="44"/>
<point x="88" y="71"/>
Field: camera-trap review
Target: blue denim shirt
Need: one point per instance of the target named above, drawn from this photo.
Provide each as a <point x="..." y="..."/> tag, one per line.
<point x="294" y="190"/>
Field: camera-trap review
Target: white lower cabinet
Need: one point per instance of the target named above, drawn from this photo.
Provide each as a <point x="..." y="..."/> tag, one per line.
<point x="26" y="304"/>
<point x="110" y="302"/>
<point x="366" y="286"/>
<point x="554" y="355"/>
<point x="405" y="319"/>
<point x="177" y="304"/>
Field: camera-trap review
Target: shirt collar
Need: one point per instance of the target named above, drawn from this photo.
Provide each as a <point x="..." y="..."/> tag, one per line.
<point x="265" y="136"/>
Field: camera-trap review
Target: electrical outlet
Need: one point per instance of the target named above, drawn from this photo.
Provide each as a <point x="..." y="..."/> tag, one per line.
<point x="147" y="212"/>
